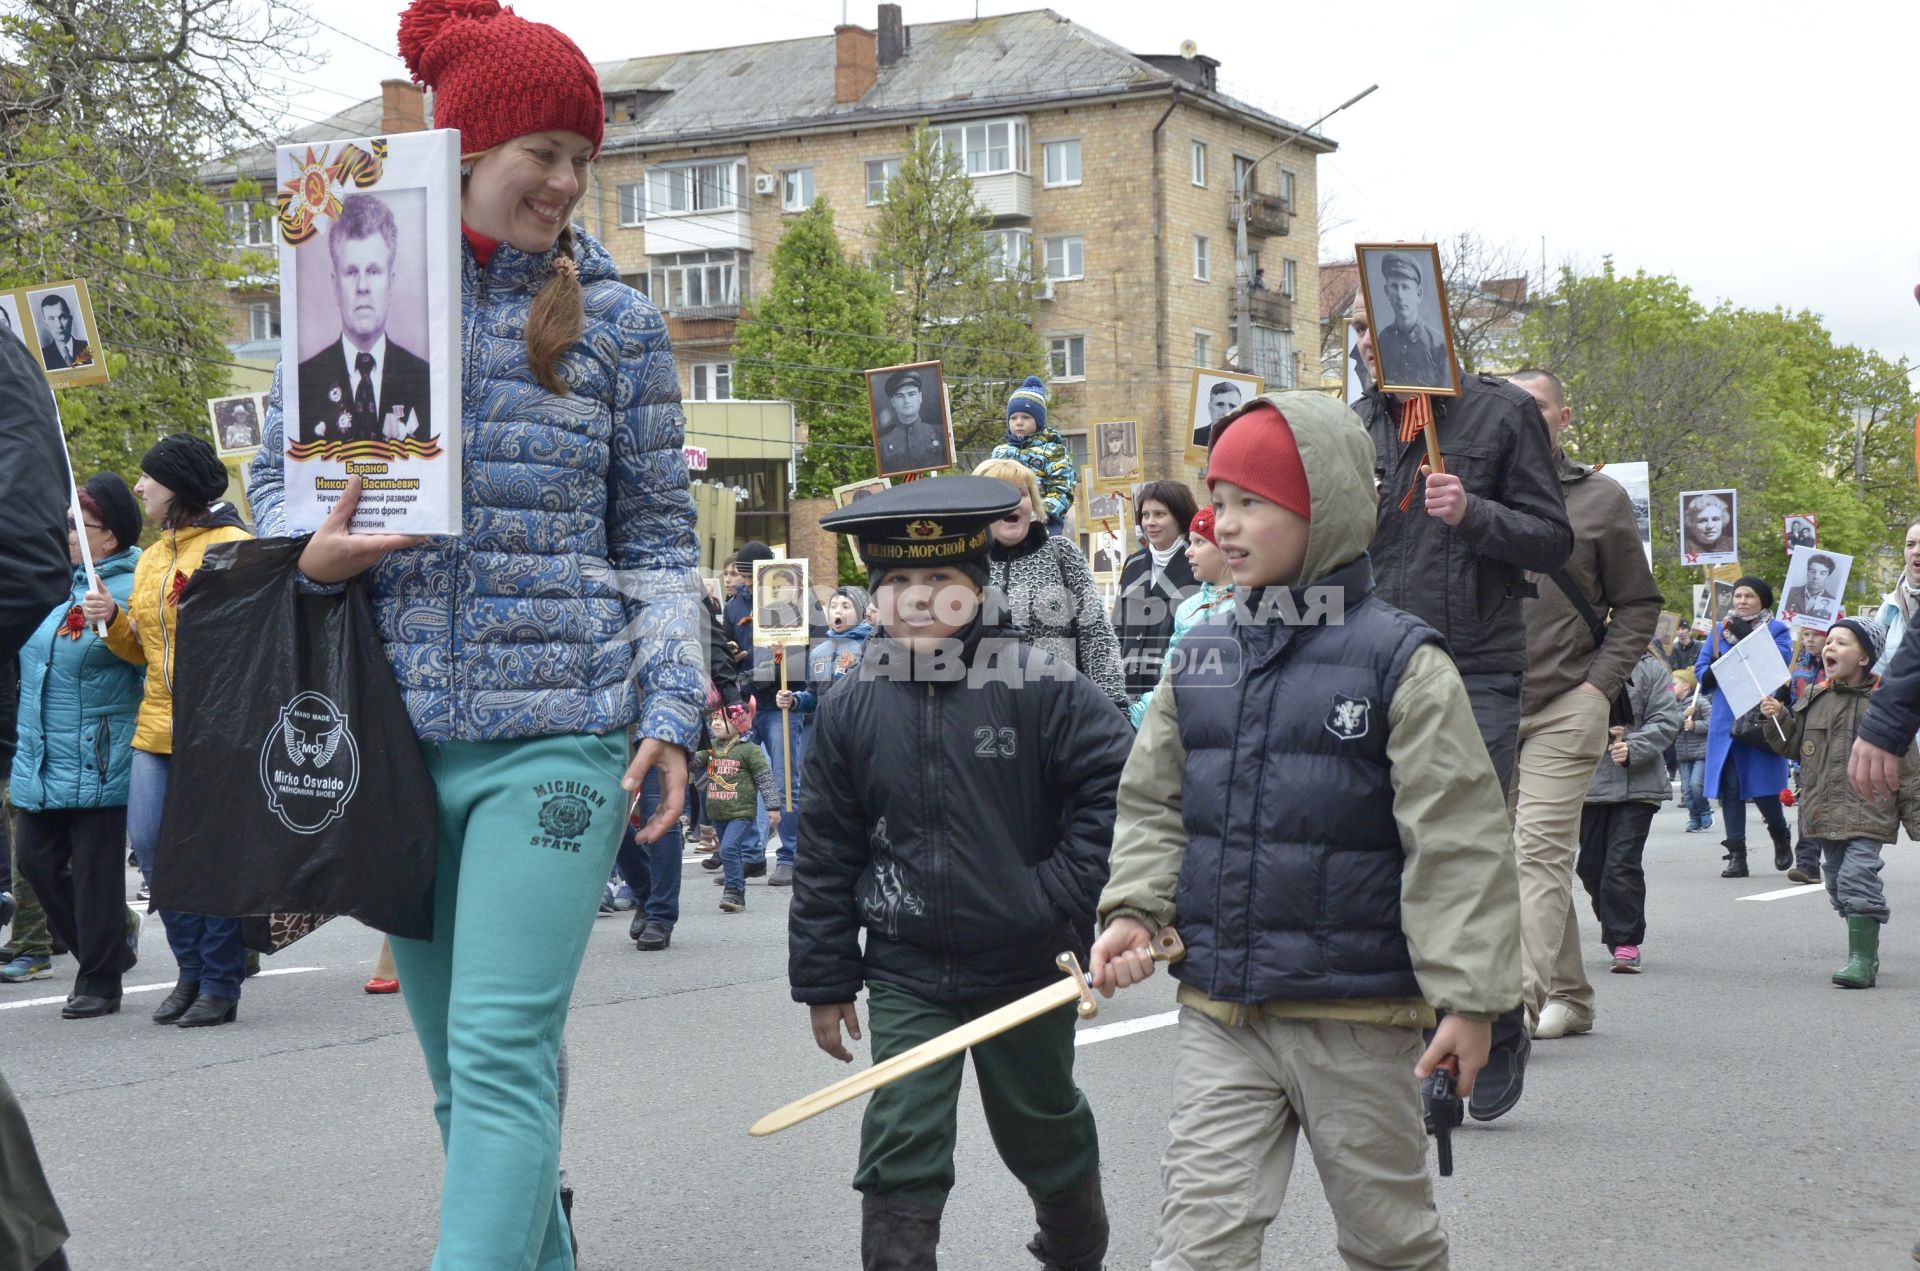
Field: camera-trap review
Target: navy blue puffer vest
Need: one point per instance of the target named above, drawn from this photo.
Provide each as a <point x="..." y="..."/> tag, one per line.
<point x="1291" y="884"/>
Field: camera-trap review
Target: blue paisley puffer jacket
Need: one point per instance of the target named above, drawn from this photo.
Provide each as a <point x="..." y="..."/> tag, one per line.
<point x="570" y="602"/>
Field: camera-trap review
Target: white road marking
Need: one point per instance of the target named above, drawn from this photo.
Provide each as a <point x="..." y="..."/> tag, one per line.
<point x="1798" y="889"/>
<point x="1125" y="1028"/>
<point x="147" y="988"/>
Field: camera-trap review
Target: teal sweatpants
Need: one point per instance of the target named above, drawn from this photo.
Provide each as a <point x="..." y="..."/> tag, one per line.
<point x="528" y="831"/>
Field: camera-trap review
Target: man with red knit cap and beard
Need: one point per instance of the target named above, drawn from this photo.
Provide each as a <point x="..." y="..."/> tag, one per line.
<point x="1350" y="875"/>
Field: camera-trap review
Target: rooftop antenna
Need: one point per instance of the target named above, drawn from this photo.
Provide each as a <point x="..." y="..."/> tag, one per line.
<point x="1189" y="50"/>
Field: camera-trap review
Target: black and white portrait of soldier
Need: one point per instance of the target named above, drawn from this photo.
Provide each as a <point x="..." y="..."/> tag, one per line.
<point x="1709" y="527"/>
<point x="909" y="424"/>
<point x="63" y="338"/>
<point x="364" y="386"/>
<point x="1409" y="319"/>
<point x="1802" y="531"/>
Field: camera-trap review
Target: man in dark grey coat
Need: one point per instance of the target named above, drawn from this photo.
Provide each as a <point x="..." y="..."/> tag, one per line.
<point x="34" y="576"/>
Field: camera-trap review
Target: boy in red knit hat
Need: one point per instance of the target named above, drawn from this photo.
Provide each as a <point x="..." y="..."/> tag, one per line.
<point x="1352" y="875"/>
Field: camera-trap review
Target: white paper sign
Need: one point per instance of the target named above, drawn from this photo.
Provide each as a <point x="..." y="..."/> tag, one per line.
<point x="369" y="235"/>
<point x="1816" y="579"/>
<point x="1749" y="671"/>
<point x="1633" y="479"/>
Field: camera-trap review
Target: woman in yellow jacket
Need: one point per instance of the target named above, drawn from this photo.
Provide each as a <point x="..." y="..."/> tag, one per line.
<point x="180" y="487"/>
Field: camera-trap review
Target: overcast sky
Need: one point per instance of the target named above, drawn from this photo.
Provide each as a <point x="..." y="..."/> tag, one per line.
<point x="1762" y="152"/>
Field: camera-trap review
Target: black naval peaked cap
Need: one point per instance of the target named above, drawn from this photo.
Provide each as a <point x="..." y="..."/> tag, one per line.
<point x="937" y="521"/>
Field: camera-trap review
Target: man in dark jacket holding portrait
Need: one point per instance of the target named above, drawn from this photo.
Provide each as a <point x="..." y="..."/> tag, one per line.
<point x="1453" y="549"/>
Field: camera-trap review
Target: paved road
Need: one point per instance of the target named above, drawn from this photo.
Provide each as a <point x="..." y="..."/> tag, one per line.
<point x="1731" y="1110"/>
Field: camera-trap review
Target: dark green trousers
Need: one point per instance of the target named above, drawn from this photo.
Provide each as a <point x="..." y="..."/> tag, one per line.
<point x="1040" y="1122"/>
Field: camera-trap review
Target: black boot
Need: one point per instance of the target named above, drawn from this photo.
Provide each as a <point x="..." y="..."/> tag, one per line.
<point x="1782" y="848"/>
<point x="898" y="1235"/>
<point x="211" y="1012"/>
<point x="183" y="996"/>
<point x="1736" y="859"/>
<point x="1073" y="1227"/>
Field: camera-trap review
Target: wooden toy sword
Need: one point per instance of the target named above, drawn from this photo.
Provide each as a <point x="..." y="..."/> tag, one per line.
<point x="1073" y="987"/>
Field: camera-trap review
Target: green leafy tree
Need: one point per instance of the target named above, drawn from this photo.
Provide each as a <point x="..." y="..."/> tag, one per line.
<point x="822" y="322"/>
<point x="1765" y="402"/>
<point x="108" y="110"/>
<point x="955" y="297"/>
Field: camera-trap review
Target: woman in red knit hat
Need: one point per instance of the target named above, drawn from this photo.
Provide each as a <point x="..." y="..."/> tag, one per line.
<point x="565" y="614"/>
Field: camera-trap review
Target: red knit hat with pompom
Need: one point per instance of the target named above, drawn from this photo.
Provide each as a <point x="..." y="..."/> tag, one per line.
<point x="496" y="76"/>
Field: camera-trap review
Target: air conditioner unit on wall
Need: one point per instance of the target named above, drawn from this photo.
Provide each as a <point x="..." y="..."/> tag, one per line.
<point x="766" y="183"/>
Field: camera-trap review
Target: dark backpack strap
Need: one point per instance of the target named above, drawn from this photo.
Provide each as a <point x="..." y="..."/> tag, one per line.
<point x="1587" y="615"/>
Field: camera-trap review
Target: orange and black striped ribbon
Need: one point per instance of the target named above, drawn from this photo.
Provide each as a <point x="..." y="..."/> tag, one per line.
<point x="1416" y="416"/>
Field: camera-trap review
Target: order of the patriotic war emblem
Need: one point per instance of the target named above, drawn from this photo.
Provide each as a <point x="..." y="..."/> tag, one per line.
<point x="309" y="764"/>
<point x="1348" y="718"/>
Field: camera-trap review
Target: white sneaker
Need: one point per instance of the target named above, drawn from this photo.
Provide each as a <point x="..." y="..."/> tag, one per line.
<point x="1561" y="1020"/>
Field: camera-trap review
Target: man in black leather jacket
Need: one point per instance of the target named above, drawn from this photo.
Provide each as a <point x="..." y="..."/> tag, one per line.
<point x="1453" y="549"/>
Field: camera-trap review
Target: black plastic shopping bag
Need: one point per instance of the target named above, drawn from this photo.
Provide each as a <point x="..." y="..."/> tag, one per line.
<point x="296" y="786"/>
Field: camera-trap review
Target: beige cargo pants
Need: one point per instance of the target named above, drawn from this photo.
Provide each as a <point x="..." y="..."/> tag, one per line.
<point x="1242" y="1095"/>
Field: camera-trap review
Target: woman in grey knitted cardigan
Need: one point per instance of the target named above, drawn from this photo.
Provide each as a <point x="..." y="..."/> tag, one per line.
<point x="1050" y="589"/>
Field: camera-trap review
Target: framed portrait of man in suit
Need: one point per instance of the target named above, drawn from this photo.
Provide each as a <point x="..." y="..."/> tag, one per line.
<point x="370" y="330"/>
<point x="60" y="330"/>
<point x="1406" y="303"/>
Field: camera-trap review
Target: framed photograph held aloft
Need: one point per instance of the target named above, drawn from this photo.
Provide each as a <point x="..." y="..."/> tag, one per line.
<point x="1816" y="580"/>
<point x="1802" y="530"/>
<point x="369" y="238"/>
<point x="1406" y="300"/>
<point x="1114" y="452"/>
<point x="780" y="602"/>
<point x="854" y="491"/>
<point x="236" y="423"/>
<point x="1709" y="527"/>
<point x="1213" y="396"/>
<point x="911" y="431"/>
<point x="57" y="326"/>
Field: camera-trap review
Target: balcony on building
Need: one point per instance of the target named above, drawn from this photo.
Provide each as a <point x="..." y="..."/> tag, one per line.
<point x="993" y="154"/>
<point x="1268" y="216"/>
<point x="1270" y="308"/>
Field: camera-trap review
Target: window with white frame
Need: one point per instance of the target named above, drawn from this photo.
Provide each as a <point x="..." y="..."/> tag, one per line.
<point x="1289" y="276"/>
<point x="1286" y="188"/>
<point x="881" y="173"/>
<point x="1060" y="163"/>
<point x="986" y="147"/>
<point x="633" y="203"/>
<point x="1202" y="258"/>
<point x="678" y="189"/>
<point x="712" y="381"/>
<point x="796" y="189"/>
<point x="1203" y="349"/>
<point x="1009" y="253"/>
<point x="1067" y="357"/>
<point x="1066" y="257"/>
<point x="249" y="225"/>
<point x="264" y="319"/>
<point x="696" y="280"/>
<point x="1199" y="163"/>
